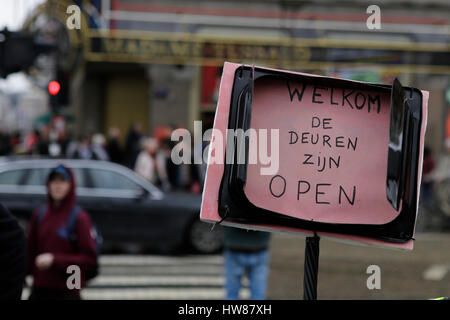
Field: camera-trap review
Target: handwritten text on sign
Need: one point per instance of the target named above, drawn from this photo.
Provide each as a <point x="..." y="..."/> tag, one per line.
<point x="333" y="152"/>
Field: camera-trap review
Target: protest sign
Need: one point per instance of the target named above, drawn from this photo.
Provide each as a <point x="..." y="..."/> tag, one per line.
<point x="305" y="153"/>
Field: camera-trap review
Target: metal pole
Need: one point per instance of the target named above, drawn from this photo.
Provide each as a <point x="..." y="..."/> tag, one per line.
<point x="311" y="268"/>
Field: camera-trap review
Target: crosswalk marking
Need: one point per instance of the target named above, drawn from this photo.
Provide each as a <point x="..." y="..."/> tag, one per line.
<point x="179" y="280"/>
<point x="159" y="260"/>
<point x="436" y="272"/>
<point x="131" y="277"/>
<point x="161" y="270"/>
<point x="160" y="294"/>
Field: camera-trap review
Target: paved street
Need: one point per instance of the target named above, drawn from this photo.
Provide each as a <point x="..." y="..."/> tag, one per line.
<point x="421" y="274"/>
<point x="153" y="277"/>
<point x="158" y="277"/>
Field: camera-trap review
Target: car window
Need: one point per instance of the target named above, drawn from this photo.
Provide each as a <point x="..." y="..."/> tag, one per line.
<point x="79" y="177"/>
<point x="12" y="177"/>
<point x="107" y="179"/>
<point x="38" y="177"/>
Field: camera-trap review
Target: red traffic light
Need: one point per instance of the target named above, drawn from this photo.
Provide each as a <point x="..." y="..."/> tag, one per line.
<point x="54" y="87"/>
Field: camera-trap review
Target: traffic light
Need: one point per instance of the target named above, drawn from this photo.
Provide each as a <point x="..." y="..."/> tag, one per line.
<point x="54" y="87"/>
<point x="18" y="51"/>
<point x="58" y="89"/>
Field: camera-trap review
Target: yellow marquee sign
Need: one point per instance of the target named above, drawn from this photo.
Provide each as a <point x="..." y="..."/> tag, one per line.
<point x="175" y="49"/>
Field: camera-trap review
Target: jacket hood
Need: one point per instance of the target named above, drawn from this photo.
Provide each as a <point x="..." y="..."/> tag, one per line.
<point x="69" y="201"/>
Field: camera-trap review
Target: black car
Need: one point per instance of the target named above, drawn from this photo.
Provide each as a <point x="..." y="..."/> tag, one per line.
<point x="126" y="208"/>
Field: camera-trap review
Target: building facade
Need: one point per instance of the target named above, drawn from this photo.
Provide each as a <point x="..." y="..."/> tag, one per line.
<point x="159" y="62"/>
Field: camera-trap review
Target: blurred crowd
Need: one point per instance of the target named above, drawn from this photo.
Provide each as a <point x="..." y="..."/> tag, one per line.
<point x="149" y="156"/>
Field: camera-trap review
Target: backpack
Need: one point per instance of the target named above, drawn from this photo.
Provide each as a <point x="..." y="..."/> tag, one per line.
<point x="69" y="232"/>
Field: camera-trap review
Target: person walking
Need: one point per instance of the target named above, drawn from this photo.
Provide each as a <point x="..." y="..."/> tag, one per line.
<point x="427" y="178"/>
<point x="98" y="147"/>
<point x="80" y="149"/>
<point x="246" y="252"/>
<point x="53" y="246"/>
<point x="133" y="144"/>
<point x="164" y="166"/>
<point x="113" y="146"/>
<point x="145" y="163"/>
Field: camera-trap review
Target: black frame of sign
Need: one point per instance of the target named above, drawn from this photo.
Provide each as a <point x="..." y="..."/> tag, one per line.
<point x="402" y="170"/>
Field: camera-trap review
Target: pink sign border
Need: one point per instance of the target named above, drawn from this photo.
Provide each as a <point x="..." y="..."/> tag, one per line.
<point x="210" y="197"/>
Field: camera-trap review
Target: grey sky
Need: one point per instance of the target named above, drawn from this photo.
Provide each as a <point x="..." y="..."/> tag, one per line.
<point x="13" y="12"/>
<point x="12" y="15"/>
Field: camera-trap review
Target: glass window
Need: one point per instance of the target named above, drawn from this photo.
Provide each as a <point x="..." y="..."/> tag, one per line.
<point x="38" y="177"/>
<point x="107" y="179"/>
<point x="12" y="177"/>
<point x="79" y="177"/>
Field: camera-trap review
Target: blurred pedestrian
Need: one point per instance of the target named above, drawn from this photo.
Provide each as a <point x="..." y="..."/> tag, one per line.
<point x="32" y="142"/>
<point x="427" y="181"/>
<point x="55" y="147"/>
<point x="204" y="165"/>
<point x="164" y="168"/>
<point x="80" y="149"/>
<point x="12" y="256"/>
<point x="16" y="140"/>
<point x="6" y="147"/>
<point x="43" y="145"/>
<point x="133" y="144"/>
<point x="98" y="147"/>
<point x="145" y="163"/>
<point x="162" y="133"/>
<point x="195" y="169"/>
<point x="113" y="146"/>
<point x="246" y="252"/>
<point x="60" y="235"/>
